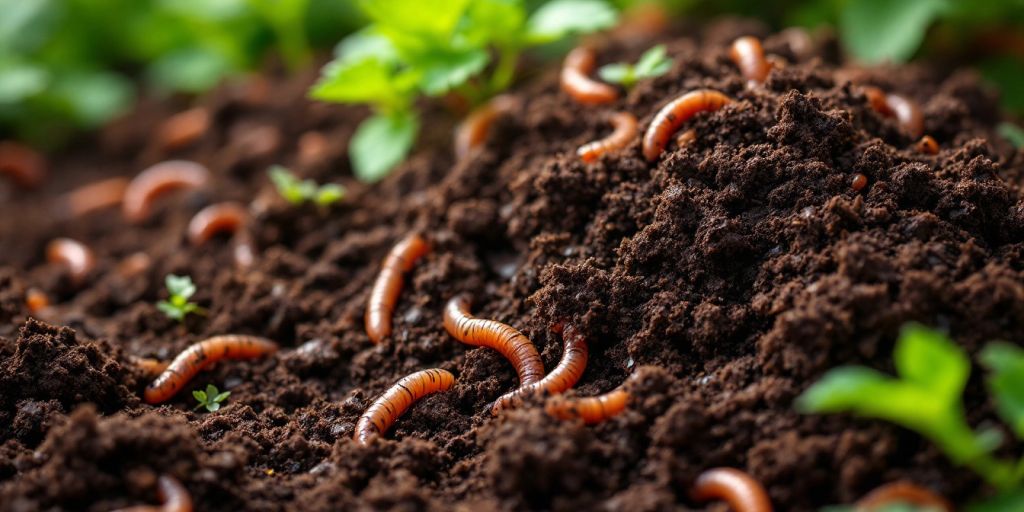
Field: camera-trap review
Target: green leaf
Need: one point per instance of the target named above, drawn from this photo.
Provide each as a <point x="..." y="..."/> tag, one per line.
<point x="366" y="44"/>
<point x="1006" y="382"/>
<point x="180" y="286"/>
<point x="211" y="390"/>
<point x="654" y="62"/>
<point x="857" y="389"/>
<point x="493" y="21"/>
<point x="189" y="69"/>
<point x="380" y="143"/>
<point x="222" y="396"/>
<point x="286" y="184"/>
<point x="173" y="312"/>
<point x="443" y="72"/>
<point x="618" y="73"/>
<point x="887" y="30"/>
<point x="560" y="18"/>
<point x="929" y="359"/>
<point x="415" y="26"/>
<point x="329" y="194"/>
<point x="1012" y="133"/>
<point x="93" y="98"/>
<point x="200" y="395"/>
<point x="20" y="81"/>
<point x="1012" y="500"/>
<point x="369" y="80"/>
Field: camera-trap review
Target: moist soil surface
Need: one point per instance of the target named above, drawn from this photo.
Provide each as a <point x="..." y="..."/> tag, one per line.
<point x="727" y="277"/>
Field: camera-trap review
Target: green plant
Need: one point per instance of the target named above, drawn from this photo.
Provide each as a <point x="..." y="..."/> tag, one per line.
<point x="177" y="306"/>
<point x="211" y="398"/>
<point x="926" y="397"/>
<point x="433" y="47"/>
<point x="297" y="191"/>
<point x="1012" y="133"/>
<point x="653" y="63"/>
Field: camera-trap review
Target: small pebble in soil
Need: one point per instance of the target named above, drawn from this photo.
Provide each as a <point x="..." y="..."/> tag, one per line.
<point x="859" y="182"/>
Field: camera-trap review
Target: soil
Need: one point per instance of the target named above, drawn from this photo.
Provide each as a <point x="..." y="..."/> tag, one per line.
<point x="729" y="275"/>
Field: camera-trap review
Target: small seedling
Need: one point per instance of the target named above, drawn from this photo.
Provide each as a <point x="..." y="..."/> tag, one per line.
<point x="177" y="306"/>
<point x="211" y="398"/>
<point x="926" y="397"/>
<point x="654" y="62"/>
<point x="297" y="191"/>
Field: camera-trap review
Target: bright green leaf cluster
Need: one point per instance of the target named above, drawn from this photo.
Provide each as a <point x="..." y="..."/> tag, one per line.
<point x="926" y="397"/>
<point x="432" y="47"/>
<point x="297" y="191"/>
<point x="177" y="306"/>
<point x="653" y="63"/>
<point x="211" y="398"/>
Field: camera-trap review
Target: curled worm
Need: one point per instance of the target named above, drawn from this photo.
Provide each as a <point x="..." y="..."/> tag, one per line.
<point x="174" y="496"/>
<point x="75" y="255"/>
<point x="590" y="409"/>
<point x="218" y="218"/>
<point x="901" y="492"/>
<point x="183" y="128"/>
<point x="576" y="82"/>
<point x="738" y="489"/>
<point x="150" y="366"/>
<point x="472" y="131"/>
<point x="158" y="180"/>
<point x="748" y="55"/>
<point x="93" y="197"/>
<point x="906" y="112"/>
<point x="677" y="112"/>
<point x="202" y="355"/>
<point x="511" y="343"/>
<point x="25" y="166"/>
<point x="388" y="286"/>
<point x="624" y="124"/>
<point x="379" y="417"/>
<point x="563" y="377"/>
<point x="928" y="145"/>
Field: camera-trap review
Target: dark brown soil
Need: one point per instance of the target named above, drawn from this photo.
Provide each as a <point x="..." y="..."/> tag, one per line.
<point x="730" y="275"/>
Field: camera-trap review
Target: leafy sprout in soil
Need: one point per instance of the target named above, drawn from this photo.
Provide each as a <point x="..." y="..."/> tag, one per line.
<point x="297" y="191"/>
<point x="178" y="306"/>
<point x="653" y="63"/>
<point x="432" y="48"/>
<point x="926" y="397"/>
<point x="211" y="398"/>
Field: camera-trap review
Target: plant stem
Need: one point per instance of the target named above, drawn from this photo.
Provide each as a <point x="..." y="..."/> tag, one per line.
<point x="505" y="70"/>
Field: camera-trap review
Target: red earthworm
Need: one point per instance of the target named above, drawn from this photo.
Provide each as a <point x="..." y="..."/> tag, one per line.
<point x="928" y="145"/>
<point x="590" y="409"/>
<point x="183" y="128"/>
<point x="388" y="286"/>
<point x="78" y="258"/>
<point x="625" y="129"/>
<point x="174" y="496"/>
<point x="379" y="417"/>
<point x="94" y="196"/>
<point x="738" y="489"/>
<point x="892" y="105"/>
<point x="674" y="114"/>
<point x="748" y="54"/>
<point x="216" y="218"/>
<point x="23" y="164"/>
<point x="472" y="131"/>
<point x="859" y="182"/>
<point x="202" y="355"/>
<point x="158" y="180"/>
<point x="576" y="82"/>
<point x="150" y="366"/>
<point x="511" y="343"/>
<point x="564" y="376"/>
<point x="901" y="492"/>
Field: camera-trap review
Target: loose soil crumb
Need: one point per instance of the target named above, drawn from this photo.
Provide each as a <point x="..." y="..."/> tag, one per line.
<point x="730" y="274"/>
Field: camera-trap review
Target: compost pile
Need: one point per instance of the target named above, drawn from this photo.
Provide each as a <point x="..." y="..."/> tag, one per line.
<point x="727" y="276"/>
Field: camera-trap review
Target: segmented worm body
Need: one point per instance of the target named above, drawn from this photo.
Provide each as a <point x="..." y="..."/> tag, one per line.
<point x="576" y="81"/>
<point x="388" y="286"/>
<point x="511" y="343"/>
<point x="590" y="409"/>
<point x="174" y="496"/>
<point x="379" y="417"/>
<point x="152" y="367"/>
<point x="93" y="197"/>
<point x="906" y="112"/>
<point x="748" y="54"/>
<point x="158" y="180"/>
<point x="214" y="219"/>
<point x="738" y="489"/>
<point x="25" y="166"/>
<point x="472" y="131"/>
<point x="901" y="492"/>
<point x="564" y="376"/>
<point x="624" y="125"/>
<point x="76" y="256"/>
<point x="668" y="120"/>
<point x="202" y="355"/>
<point x="928" y="145"/>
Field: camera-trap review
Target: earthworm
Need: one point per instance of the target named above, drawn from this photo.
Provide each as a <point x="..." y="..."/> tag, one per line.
<point x="738" y="489"/>
<point x="75" y="255"/>
<point x="388" y="286"/>
<point x="901" y="492"/>
<point x="748" y="54"/>
<point x="677" y="112"/>
<point x="624" y="124"/>
<point x="511" y="343"/>
<point x="859" y="182"/>
<point x="23" y="164"/>
<point x="576" y="82"/>
<point x="200" y="356"/>
<point x="906" y="112"/>
<point x="183" y="128"/>
<point x="564" y="376"/>
<point x="150" y="366"/>
<point x="472" y="131"/>
<point x="174" y="496"/>
<point x="928" y="145"/>
<point x="590" y="409"/>
<point x="220" y="217"/>
<point x="158" y="180"/>
<point x="94" y="196"/>
<point x="379" y="417"/>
